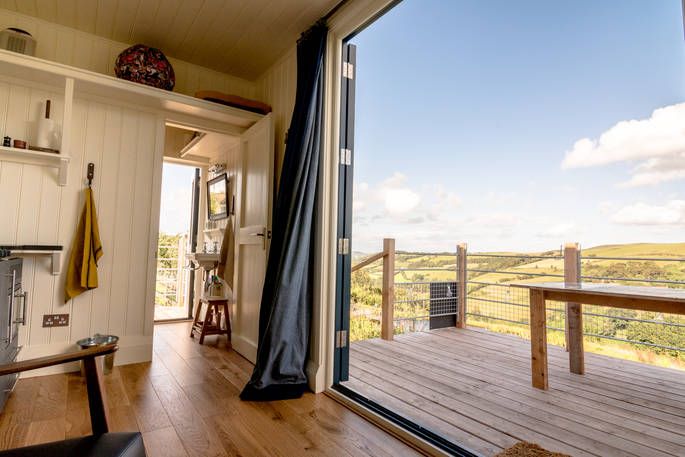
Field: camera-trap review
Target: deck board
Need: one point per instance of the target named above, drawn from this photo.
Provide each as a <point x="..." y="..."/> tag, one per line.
<point x="473" y="386"/>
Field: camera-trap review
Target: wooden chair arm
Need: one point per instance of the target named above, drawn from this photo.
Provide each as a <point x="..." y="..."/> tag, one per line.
<point x="97" y="402"/>
<point x="42" y="362"/>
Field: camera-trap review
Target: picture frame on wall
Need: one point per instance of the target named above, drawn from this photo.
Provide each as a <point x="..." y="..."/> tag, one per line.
<point x="218" y="198"/>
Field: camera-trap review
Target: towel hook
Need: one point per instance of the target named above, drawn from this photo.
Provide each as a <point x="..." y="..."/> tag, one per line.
<point x="91" y="173"/>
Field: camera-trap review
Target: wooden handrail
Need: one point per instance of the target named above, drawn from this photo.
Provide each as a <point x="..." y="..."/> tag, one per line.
<point x="97" y="401"/>
<point x="387" y="286"/>
<point x="368" y="261"/>
<point x="42" y="362"/>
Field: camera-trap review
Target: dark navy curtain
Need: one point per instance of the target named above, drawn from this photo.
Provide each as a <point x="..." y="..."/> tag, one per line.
<point x="285" y="313"/>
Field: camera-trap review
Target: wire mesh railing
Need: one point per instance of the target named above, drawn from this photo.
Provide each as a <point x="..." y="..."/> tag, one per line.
<point x="421" y="306"/>
<point x="490" y="299"/>
<point x="662" y="332"/>
<point x="172" y="279"/>
<point x="427" y="295"/>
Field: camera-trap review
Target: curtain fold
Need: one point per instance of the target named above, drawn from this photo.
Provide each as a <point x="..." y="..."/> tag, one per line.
<point x="286" y="307"/>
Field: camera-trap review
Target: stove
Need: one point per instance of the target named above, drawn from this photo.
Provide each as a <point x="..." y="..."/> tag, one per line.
<point x="13" y="301"/>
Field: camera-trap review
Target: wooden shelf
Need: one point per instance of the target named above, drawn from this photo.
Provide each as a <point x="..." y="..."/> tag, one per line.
<point x="46" y="159"/>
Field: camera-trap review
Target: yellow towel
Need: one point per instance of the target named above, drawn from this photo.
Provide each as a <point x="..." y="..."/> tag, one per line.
<point x="86" y="250"/>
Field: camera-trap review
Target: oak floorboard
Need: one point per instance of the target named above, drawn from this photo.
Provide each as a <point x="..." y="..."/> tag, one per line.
<point x="44" y="431"/>
<point x="185" y="402"/>
<point x="163" y="442"/>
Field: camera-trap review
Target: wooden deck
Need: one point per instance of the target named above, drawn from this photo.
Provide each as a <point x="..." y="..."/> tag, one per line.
<point x="474" y="387"/>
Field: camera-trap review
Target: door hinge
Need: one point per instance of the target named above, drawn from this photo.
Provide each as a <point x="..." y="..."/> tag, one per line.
<point x="345" y="157"/>
<point x="343" y="246"/>
<point x="341" y="339"/>
<point x="348" y="70"/>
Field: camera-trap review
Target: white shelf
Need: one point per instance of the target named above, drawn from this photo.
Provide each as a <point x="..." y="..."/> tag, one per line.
<point x="180" y="108"/>
<point x="55" y="257"/>
<point x="46" y="159"/>
<point x="214" y="230"/>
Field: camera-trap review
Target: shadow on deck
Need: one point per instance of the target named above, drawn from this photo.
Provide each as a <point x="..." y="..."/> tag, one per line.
<point x="473" y="387"/>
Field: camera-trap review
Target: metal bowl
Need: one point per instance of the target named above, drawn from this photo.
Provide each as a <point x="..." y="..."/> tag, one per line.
<point x="97" y="340"/>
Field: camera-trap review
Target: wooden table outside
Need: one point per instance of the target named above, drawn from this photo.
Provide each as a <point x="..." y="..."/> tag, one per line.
<point x="656" y="299"/>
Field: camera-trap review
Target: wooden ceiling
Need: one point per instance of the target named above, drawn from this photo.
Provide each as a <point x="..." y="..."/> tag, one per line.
<point x="238" y="37"/>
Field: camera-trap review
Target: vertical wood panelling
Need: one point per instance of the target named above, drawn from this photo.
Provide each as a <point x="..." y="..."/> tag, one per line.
<point x="122" y="226"/>
<point x="85" y="50"/>
<point x="82" y="306"/>
<point x="153" y="235"/>
<point x="126" y="148"/>
<point x="277" y="87"/>
<point x="142" y="203"/>
<point x="70" y="207"/>
<point x="107" y="178"/>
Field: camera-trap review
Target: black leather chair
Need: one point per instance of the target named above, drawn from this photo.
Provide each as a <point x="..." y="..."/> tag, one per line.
<point x="101" y="443"/>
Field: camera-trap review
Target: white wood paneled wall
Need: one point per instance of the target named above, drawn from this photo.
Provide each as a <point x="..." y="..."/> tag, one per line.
<point x="126" y="146"/>
<point x="91" y="52"/>
<point x="277" y="87"/>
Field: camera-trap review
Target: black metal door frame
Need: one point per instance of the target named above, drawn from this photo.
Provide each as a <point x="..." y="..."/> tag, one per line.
<point x="194" y="222"/>
<point x="344" y="257"/>
<point x="344" y="232"/>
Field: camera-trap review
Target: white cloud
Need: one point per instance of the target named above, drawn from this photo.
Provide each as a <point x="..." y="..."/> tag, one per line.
<point x="494" y="220"/>
<point x="672" y="213"/>
<point x="657" y="170"/>
<point x="558" y="231"/>
<point x="359" y="202"/>
<point x="426" y="215"/>
<point x="397" y="197"/>
<point x="401" y="201"/>
<point x="658" y="142"/>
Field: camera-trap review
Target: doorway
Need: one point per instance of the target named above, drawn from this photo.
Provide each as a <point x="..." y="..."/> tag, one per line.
<point x="178" y="228"/>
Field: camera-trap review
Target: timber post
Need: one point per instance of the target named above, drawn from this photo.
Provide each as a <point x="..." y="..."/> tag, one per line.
<point x="461" y="285"/>
<point x="574" y="311"/>
<point x="388" y="288"/>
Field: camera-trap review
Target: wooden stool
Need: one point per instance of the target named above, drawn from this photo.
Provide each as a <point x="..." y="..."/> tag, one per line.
<point x="211" y="324"/>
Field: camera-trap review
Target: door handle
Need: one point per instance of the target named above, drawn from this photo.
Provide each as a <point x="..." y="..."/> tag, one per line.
<point x="265" y="234"/>
<point x="24" y="297"/>
<point x="9" y="313"/>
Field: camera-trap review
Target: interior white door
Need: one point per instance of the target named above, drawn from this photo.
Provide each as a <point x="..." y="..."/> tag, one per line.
<point x="253" y="232"/>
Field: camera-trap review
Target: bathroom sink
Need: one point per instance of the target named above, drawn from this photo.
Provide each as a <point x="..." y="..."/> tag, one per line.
<point x="207" y="260"/>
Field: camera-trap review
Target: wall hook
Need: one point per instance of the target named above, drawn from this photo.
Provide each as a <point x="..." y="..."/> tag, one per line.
<point x="91" y="173"/>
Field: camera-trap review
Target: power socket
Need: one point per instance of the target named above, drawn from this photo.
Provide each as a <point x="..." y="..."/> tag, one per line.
<point x="55" y="320"/>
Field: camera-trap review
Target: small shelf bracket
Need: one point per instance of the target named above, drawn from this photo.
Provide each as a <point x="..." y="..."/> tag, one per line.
<point x="55" y="257"/>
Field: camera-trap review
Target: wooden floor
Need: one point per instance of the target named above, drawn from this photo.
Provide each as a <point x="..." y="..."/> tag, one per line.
<point x="473" y="387"/>
<point x="186" y="404"/>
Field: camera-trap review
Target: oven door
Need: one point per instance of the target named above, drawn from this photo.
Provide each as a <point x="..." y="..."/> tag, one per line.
<point x="12" y="304"/>
<point x="6" y="304"/>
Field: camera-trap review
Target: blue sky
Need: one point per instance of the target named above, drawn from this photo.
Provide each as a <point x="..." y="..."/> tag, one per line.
<point x="503" y="124"/>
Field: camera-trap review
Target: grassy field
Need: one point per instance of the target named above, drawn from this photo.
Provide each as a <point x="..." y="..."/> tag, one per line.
<point x="493" y="304"/>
